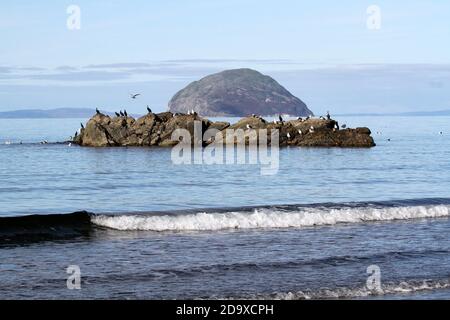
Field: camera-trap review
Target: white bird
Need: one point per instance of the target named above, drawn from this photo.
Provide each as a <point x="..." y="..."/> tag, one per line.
<point x="300" y="132"/>
<point x="248" y="126"/>
<point x="311" y="129"/>
<point x="70" y="144"/>
<point x="288" y="135"/>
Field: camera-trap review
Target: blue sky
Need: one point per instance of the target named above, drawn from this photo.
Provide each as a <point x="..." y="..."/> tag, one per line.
<point x="322" y="51"/>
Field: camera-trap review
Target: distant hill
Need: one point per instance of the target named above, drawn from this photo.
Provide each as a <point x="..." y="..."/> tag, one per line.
<point x="237" y="93"/>
<point x="50" y="113"/>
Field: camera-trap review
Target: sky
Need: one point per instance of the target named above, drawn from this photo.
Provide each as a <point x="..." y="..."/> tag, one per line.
<point x="324" y="52"/>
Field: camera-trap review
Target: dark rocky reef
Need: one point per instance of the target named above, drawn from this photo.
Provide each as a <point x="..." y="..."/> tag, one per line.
<point x="236" y="93"/>
<point x="156" y="130"/>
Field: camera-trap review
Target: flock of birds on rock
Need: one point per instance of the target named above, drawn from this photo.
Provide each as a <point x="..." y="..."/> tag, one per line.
<point x="192" y="112"/>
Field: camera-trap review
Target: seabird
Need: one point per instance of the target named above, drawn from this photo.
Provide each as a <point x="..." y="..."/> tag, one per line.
<point x="82" y="126"/>
<point x="288" y="135"/>
<point x="299" y="119"/>
<point x="249" y="126"/>
<point x="441" y="132"/>
<point x="321" y="118"/>
<point x="281" y="119"/>
<point x="70" y="144"/>
<point x="308" y="117"/>
<point x="328" y="115"/>
<point x="311" y="129"/>
<point x="344" y="126"/>
<point x="134" y="96"/>
<point x="300" y="132"/>
<point x="121" y="113"/>
<point x="97" y="111"/>
<point x="76" y="134"/>
<point x="125" y="113"/>
<point x="117" y="114"/>
<point x="149" y="110"/>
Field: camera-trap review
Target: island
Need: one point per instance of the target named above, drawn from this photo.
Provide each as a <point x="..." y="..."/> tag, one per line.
<point x="157" y="129"/>
<point x="237" y="93"/>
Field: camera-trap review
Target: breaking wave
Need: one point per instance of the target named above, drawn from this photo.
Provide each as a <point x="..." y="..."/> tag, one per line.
<point x="268" y="218"/>
<point x="400" y="288"/>
<point x="22" y="229"/>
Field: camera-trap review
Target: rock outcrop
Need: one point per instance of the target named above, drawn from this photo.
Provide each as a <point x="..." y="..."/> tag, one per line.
<point x="156" y="130"/>
<point x="236" y="93"/>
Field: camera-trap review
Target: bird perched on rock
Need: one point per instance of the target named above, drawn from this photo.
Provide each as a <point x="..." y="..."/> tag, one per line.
<point x="280" y="118"/>
<point x="311" y="129"/>
<point x="121" y="113"/>
<point x="288" y="135"/>
<point x="82" y="126"/>
<point x="344" y="126"/>
<point x="328" y="115"/>
<point x="300" y="132"/>
<point x="97" y="111"/>
<point x="249" y="126"/>
<point x="149" y="110"/>
<point x="125" y="113"/>
<point x="117" y="114"/>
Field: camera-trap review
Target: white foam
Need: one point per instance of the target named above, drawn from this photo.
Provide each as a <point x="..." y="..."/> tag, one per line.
<point x="405" y="287"/>
<point x="267" y="218"/>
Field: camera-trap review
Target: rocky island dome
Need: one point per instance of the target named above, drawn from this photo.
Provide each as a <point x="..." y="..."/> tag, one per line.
<point x="237" y="93"/>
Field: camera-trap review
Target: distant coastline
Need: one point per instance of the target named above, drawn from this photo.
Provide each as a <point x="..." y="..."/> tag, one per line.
<point x="399" y="114"/>
<point x="57" y="113"/>
<point x="68" y="113"/>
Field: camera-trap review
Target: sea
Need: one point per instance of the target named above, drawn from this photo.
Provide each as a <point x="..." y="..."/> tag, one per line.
<point x="129" y="223"/>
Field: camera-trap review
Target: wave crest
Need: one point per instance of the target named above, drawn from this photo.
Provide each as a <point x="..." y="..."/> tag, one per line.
<point x="267" y="218"/>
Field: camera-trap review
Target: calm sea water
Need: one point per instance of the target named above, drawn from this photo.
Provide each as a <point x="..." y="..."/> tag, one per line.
<point x="285" y="249"/>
